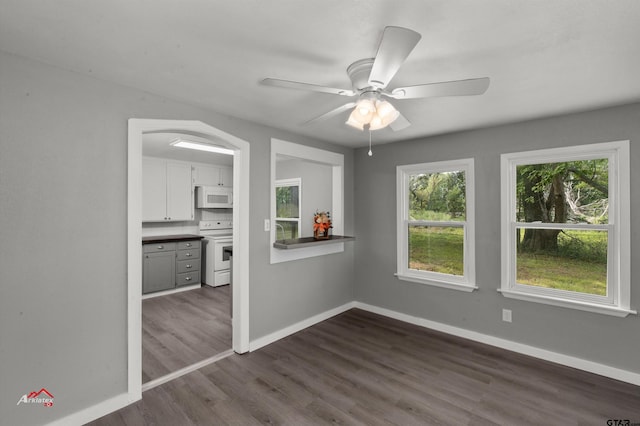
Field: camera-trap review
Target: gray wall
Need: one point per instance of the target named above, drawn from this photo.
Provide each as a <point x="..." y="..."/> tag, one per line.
<point x="316" y="188"/>
<point x="599" y="338"/>
<point x="63" y="236"/>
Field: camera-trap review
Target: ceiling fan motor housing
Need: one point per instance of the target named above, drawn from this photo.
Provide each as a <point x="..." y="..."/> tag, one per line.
<point x="359" y="72"/>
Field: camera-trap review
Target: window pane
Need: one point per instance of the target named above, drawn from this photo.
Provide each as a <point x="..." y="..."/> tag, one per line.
<point x="568" y="192"/>
<point x="286" y="229"/>
<point x="287" y="201"/>
<point x="563" y="259"/>
<point x="437" y="196"/>
<point x="436" y="249"/>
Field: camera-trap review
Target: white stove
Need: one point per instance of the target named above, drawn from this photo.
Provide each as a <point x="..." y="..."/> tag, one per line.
<point x="217" y="234"/>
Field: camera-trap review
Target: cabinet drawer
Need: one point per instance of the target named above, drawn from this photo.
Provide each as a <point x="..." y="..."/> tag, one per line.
<point x="188" y="245"/>
<point x="188" y="278"/>
<point x="189" y="254"/>
<point x="188" y="266"/>
<point x="156" y="247"/>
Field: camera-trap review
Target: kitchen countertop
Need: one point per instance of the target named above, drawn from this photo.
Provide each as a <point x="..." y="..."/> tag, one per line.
<point x="170" y="238"/>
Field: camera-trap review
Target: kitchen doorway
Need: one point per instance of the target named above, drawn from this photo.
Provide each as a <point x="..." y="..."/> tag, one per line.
<point x="239" y="322"/>
<point x="186" y="302"/>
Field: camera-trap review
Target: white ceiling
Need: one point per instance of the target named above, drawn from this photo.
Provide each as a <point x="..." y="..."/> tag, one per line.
<point x="544" y="57"/>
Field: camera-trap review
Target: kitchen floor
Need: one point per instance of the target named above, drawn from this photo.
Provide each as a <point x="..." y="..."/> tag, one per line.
<point x="181" y="329"/>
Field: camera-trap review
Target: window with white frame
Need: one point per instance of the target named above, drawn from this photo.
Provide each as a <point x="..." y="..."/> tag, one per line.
<point x="435" y="224"/>
<point x="288" y="207"/>
<point x="565" y="227"/>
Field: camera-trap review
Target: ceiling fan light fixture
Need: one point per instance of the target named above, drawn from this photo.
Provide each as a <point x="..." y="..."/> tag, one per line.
<point x="376" y="123"/>
<point x="386" y="111"/>
<point x="390" y="118"/>
<point x="363" y="118"/>
<point x="355" y="121"/>
<point x="362" y="114"/>
<point x="366" y="107"/>
<point x="378" y="114"/>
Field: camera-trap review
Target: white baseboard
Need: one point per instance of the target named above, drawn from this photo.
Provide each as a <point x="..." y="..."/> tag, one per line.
<point x="277" y="335"/>
<point x="558" y="358"/>
<point x="95" y="411"/>
<point x="172" y="291"/>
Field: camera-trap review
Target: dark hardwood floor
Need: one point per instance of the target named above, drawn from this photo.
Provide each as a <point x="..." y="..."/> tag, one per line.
<point x="361" y="368"/>
<point x="181" y="329"/>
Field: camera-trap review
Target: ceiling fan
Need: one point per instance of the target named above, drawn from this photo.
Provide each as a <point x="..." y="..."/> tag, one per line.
<point x="370" y="78"/>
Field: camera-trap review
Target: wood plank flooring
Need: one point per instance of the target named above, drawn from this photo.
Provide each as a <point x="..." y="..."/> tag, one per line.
<point x="181" y="329"/>
<point x="363" y="369"/>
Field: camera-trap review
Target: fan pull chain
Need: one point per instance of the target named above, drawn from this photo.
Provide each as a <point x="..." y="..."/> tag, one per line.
<point x="369" y="129"/>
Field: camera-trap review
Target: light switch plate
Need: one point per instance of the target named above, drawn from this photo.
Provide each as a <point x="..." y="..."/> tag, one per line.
<point x="267" y="225"/>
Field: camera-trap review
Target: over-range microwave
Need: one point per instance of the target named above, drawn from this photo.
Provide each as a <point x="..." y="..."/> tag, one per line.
<point x="214" y="197"/>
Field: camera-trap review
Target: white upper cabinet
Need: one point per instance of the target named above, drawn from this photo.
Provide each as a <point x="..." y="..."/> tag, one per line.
<point x="179" y="191"/>
<point x="226" y="176"/>
<point x="167" y="193"/>
<point x="205" y="175"/>
<point x="154" y="190"/>
<point x="212" y="175"/>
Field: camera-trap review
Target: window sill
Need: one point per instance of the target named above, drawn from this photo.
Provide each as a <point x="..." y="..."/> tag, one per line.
<point x="443" y="284"/>
<point x="565" y="303"/>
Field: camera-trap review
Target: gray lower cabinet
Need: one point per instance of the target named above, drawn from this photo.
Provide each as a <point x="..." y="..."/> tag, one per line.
<point x="158" y="267"/>
<point x="166" y="266"/>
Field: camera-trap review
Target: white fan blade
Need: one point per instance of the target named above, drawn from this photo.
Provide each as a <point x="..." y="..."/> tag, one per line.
<point x="306" y="86"/>
<point x="474" y="86"/>
<point x="331" y="113"/>
<point x="395" y="46"/>
<point x="399" y="123"/>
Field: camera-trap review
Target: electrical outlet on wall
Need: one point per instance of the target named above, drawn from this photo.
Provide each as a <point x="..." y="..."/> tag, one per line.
<point x="506" y="315"/>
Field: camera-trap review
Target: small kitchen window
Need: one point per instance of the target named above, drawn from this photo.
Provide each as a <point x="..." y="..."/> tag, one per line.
<point x="288" y="208"/>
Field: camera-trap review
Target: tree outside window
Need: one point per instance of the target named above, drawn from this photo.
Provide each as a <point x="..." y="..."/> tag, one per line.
<point x="572" y="192"/>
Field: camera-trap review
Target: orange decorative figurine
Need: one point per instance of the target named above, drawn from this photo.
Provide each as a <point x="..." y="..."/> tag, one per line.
<point x="321" y="225"/>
